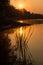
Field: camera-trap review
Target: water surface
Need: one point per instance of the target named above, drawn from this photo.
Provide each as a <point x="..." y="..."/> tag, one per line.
<point x="34" y="35"/>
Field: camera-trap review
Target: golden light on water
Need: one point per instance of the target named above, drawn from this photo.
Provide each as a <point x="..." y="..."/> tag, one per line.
<point x="21" y="31"/>
<point x="21" y="21"/>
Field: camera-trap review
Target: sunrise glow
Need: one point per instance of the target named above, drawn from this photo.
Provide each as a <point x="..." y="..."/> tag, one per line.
<point x="20" y="6"/>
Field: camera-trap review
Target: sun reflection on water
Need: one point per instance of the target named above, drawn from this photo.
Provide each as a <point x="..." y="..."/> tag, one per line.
<point x="20" y="21"/>
<point x="21" y="31"/>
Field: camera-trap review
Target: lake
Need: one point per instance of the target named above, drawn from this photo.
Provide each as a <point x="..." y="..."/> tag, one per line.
<point x="33" y="37"/>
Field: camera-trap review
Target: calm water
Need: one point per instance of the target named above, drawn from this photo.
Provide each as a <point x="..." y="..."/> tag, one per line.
<point x="34" y="35"/>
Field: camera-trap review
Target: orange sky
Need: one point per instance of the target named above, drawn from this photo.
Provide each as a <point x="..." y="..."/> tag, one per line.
<point x="35" y="6"/>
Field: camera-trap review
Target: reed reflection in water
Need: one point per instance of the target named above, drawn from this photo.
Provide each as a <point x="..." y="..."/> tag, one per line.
<point x="20" y="39"/>
<point x="35" y="42"/>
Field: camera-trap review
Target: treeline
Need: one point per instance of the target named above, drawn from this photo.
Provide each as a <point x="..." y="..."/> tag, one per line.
<point x="13" y="13"/>
<point x="22" y="14"/>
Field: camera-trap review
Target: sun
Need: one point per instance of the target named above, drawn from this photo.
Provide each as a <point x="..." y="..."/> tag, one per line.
<point x="20" y="6"/>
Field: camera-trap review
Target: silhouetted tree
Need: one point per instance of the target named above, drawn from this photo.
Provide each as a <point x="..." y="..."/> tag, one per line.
<point x="4" y="2"/>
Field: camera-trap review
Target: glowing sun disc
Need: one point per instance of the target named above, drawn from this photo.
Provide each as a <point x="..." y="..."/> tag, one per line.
<point x="20" y="6"/>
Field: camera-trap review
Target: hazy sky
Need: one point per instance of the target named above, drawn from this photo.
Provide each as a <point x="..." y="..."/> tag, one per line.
<point x="35" y="6"/>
